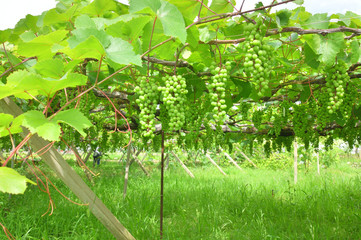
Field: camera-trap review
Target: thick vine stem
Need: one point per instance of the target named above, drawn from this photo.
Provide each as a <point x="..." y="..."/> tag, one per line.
<point x="322" y="32"/>
<point x="179" y="63"/>
<point x="116" y="94"/>
<point x="217" y="17"/>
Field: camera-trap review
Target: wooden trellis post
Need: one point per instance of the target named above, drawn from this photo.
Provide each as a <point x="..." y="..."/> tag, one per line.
<point x="62" y="169"/>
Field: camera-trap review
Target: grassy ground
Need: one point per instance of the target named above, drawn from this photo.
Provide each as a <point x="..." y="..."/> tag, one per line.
<point x="252" y="204"/>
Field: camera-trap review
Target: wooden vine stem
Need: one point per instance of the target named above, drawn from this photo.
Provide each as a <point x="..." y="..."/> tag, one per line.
<point x="62" y="169"/>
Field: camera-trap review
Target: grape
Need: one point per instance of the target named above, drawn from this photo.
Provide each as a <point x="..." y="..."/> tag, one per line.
<point x="174" y="99"/>
<point x="217" y="93"/>
<point x="147" y="100"/>
<point x="257" y="57"/>
<point x="332" y="98"/>
<point x="336" y="80"/>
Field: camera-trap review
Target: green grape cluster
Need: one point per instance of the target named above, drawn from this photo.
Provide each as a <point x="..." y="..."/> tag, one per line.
<point x="323" y="115"/>
<point x="350" y="98"/>
<point x="174" y="99"/>
<point x="257" y="118"/>
<point x="257" y="59"/>
<point x="147" y="101"/>
<point x="303" y="121"/>
<point x="336" y="80"/>
<point x="217" y="92"/>
<point x="280" y="117"/>
<point x="194" y="117"/>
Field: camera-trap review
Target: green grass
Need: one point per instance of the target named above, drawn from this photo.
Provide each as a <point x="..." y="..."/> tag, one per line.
<point x="252" y="204"/>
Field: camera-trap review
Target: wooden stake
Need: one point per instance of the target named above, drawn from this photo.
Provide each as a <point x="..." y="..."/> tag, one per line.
<point x="231" y="160"/>
<point x="167" y="161"/>
<point x="183" y="165"/>
<point x="247" y="158"/>
<point x="162" y="187"/>
<point x="318" y="162"/>
<point x="87" y="156"/>
<point x="145" y="155"/>
<point x="121" y="158"/>
<point x="195" y="158"/>
<point x="140" y="165"/>
<point x="295" y="163"/>
<point x="127" y="166"/>
<point x="215" y="164"/>
<point x="62" y="169"/>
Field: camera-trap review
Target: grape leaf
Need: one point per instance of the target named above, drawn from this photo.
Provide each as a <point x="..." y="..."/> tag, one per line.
<point x="27" y="36"/>
<point x="75" y="119"/>
<point x="12" y="182"/>
<point x="330" y="46"/>
<point x="318" y="21"/>
<point x="27" y="23"/>
<point x="169" y="15"/>
<point x="99" y="7"/>
<point x="84" y="21"/>
<point x="190" y="9"/>
<point x="310" y="56"/>
<point x="82" y="34"/>
<point x="121" y="52"/>
<point x="50" y="68"/>
<point x="283" y="17"/>
<point x="22" y="82"/>
<point x="244" y="89"/>
<point x="222" y="6"/>
<point x="41" y="46"/>
<point x="205" y="35"/>
<point x="36" y="122"/>
<point x="355" y="52"/>
<point x="5" y="120"/>
<point x="53" y="16"/>
<point x="90" y="48"/>
<point x="9" y="124"/>
<point x="129" y="30"/>
<point x="5" y="35"/>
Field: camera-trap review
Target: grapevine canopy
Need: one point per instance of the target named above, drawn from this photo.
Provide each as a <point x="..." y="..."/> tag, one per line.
<point x="101" y="72"/>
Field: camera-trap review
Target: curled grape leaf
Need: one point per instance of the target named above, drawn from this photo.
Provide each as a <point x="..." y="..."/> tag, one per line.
<point x="12" y="182"/>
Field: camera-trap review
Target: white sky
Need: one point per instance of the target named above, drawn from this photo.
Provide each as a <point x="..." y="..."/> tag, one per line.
<point x="11" y="11"/>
